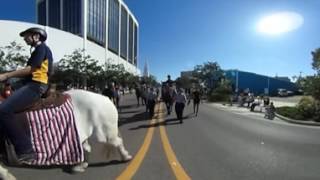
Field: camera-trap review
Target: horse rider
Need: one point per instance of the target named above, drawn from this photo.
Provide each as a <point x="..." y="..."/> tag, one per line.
<point x="36" y="76"/>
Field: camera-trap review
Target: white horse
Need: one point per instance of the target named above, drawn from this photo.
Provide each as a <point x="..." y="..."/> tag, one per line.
<point x="96" y="116"/>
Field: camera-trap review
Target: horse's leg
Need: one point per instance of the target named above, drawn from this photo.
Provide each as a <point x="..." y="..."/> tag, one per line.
<point x="87" y="149"/>
<point x="125" y="156"/>
<point x="113" y="139"/>
<point x="83" y="165"/>
<point x="5" y="175"/>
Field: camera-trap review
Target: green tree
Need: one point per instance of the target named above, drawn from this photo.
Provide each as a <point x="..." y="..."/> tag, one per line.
<point x="185" y="82"/>
<point x="316" y="60"/>
<point x="150" y="81"/>
<point x="12" y="56"/>
<point x="315" y="82"/>
<point x="82" y="70"/>
<point x="209" y="73"/>
<point x="114" y="73"/>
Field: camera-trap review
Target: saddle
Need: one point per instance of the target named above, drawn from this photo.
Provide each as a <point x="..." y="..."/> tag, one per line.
<point x="51" y="124"/>
<point x="51" y="100"/>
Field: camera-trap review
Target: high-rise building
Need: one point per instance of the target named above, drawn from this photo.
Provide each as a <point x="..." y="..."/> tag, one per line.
<point x="146" y="69"/>
<point x="108" y="23"/>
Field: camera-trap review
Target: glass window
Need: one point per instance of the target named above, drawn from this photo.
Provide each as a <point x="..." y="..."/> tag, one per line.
<point x="113" y="24"/>
<point x="96" y="21"/>
<point x="130" y="40"/>
<point x="54" y="13"/>
<point x="124" y="27"/>
<point x="42" y="13"/>
<point x="72" y="16"/>
<point x="135" y="59"/>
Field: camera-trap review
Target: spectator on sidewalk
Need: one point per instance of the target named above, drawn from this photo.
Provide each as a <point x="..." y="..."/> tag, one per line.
<point x="250" y="99"/>
<point x="270" y="111"/>
<point x="256" y="102"/>
<point x="266" y="101"/>
<point x="241" y="99"/>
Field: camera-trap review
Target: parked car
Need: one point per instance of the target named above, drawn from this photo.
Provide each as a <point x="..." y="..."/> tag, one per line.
<point x="290" y="93"/>
<point x="282" y="92"/>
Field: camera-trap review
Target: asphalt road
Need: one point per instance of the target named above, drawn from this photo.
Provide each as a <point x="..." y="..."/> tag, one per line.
<point x="216" y="144"/>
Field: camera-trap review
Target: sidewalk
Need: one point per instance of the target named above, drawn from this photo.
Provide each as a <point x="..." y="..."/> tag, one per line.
<point x="259" y="111"/>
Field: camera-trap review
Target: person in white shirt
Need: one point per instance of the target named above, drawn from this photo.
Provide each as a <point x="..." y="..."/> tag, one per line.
<point x="180" y="99"/>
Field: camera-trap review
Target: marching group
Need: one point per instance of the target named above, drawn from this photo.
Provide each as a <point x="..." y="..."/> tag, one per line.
<point x="170" y="95"/>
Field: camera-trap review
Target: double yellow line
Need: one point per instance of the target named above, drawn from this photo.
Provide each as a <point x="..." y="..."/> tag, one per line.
<point x="134" y="165"/>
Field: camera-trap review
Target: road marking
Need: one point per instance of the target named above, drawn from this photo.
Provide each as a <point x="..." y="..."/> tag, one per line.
<point x="174" y="163"/>
<point x="131" y="169"/>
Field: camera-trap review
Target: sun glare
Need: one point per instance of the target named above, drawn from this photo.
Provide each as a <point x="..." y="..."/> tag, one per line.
<point x="280" y="23"/>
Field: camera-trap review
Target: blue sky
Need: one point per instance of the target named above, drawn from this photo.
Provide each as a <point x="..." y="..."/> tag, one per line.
<point x="176" y="35"/>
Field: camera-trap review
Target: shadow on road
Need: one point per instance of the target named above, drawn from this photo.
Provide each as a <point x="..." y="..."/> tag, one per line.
<point x="128" y="106"/>
<point x="128" y="112"/>
<point x="102" y="164"/>
<point x="167" y="122"/>
<point x="143" y="116"/>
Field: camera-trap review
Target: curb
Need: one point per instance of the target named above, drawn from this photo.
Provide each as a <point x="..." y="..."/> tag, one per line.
<point x="310" y="123"/>
<point x="297" y="121"/>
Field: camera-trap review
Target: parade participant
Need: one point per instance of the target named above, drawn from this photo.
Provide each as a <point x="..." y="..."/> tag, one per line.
<point x="196" y="101"/>
<point x="151" y="101"/>
<point x="36" y="76"/>
<point x="181" y="100"/>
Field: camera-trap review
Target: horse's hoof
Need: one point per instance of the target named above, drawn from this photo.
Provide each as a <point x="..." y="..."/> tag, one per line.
<point x="78" y="169"/>
<point x="85" y="164"/>
<point x="127" y="158"/>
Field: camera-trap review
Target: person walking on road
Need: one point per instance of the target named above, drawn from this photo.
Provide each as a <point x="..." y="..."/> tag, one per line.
<point x="180" y="99"/>
<point x="196" y="101"/>
<point x="151" y="101"/>
<point x="108" y="92"/>
<point x="138" y="94"/>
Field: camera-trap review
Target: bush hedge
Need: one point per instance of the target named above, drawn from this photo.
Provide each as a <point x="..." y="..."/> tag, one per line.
<point x="307" y="107"/>
<point x="291" y="112"/>
<point x="217" y="97"/>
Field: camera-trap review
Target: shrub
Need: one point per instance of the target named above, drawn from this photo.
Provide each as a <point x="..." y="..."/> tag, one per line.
<point x="221" y="93"/>
<point x="317" y="112"/>
<point x="217" y="97"/>
<point x="290" y="112"/>
<point x="307" y="107"/>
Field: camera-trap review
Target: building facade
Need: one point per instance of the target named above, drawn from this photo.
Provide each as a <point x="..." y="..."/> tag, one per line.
<point x="107" y="23"/>
<point x="256" y="83"/>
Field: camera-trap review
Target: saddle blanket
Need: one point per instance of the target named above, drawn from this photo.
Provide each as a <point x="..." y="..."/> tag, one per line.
<point x="54" y="135"/>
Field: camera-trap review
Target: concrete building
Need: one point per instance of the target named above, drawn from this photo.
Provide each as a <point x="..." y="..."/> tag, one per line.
<point x="106" y="29"/>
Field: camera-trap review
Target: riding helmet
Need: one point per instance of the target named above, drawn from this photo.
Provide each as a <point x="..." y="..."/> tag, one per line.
<point x="35" y="30"/>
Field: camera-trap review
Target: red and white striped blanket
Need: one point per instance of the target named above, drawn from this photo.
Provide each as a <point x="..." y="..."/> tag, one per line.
<point x="54" y="136"/>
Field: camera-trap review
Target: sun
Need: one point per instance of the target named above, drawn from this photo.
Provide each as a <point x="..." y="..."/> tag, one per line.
<point x="279" y="23"/>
